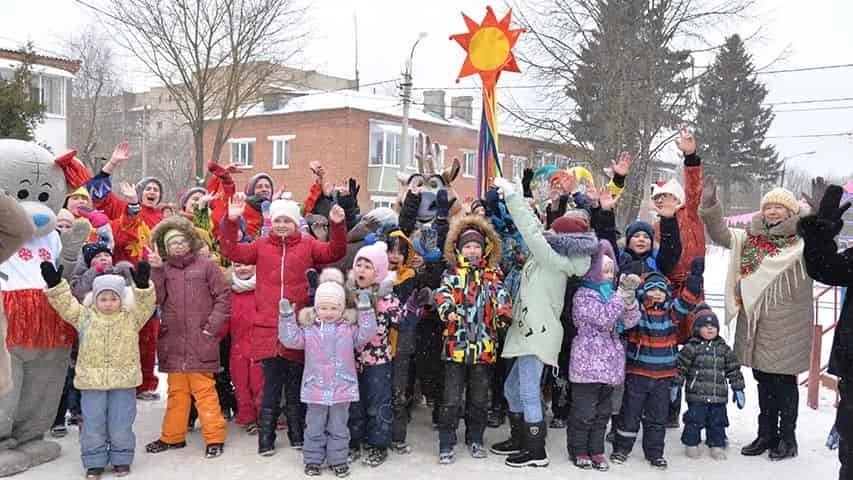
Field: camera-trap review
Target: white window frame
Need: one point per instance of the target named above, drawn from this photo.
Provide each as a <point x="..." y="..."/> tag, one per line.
<point x="561" y="161"/>
<point x="465" y="155"/>
<point x="383" y="201"/>
<point x="43" y="94"/>
<point x="390" y="131"/>
<point x="442" y="157"/>
<point x="279" y="141"/>
<point x="242" y="141"/>
<point x="519" y="163"/>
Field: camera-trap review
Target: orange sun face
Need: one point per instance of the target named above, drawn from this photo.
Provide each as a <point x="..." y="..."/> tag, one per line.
<point x="489" y="46"/>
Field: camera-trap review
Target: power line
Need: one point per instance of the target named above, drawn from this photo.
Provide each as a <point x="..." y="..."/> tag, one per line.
<point x="806" y="69"/>
<point x="815" y="109"/>
<point x="815" y="135"/>
<point x="569" y="111"/>
<point x="816" y="100"/>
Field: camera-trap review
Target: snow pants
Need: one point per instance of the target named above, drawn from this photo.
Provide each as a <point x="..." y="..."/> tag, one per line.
<point x="148" y="354"/>
<point x="326" y="434"/>
<point x="645" y="400"/>
<point x="591" y="409"/>
<point x="248" y="378"/>
<point x="709" y="416"/>
<point x="106" y="436"/>
<point x="459" y="378"/>
<point x="371" y="417"/>
<point x="182" y="388"/>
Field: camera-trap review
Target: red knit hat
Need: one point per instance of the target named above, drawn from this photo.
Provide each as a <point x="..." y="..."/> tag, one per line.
<point x="570" y="225"/>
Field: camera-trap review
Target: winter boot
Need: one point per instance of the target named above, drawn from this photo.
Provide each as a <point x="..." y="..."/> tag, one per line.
<point x="267" y="418"/>
<point x="533" y="452"/>
<point x="767" y="423"/>
<point x="296" y="425"/>
<point x="514" y="443"/>
<point x="788" y="402"/>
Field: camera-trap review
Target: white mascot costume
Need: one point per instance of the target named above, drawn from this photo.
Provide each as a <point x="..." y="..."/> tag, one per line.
<point x="38" y="340"/>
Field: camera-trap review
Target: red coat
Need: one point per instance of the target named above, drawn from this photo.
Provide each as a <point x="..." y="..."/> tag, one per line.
<point x="692" y="232"/>
<point x="115" y="208"/>
<point x="281" y="266"/>
<point x="241" y="321"/>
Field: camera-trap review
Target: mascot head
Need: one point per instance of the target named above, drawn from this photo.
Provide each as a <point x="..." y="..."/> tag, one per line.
<point x="431" y="179"/>
<point x="31" y="176"/>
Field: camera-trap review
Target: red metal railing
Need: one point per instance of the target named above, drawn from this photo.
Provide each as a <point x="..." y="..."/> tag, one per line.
<point x="817" y="376"/>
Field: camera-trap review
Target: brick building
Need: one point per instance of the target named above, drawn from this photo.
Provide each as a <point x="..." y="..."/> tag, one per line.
<point x="357" y="134"/>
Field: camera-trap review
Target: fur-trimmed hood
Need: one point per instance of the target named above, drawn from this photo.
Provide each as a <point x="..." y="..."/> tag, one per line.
<point x="493" y="249"/>
<point x="573" y="244"/>
<point x="176" y="223"/>
<point x="308" y="317"/>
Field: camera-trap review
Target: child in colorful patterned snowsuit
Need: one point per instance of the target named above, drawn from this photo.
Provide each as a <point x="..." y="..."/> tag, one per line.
<point x="329" y="335"/>
<point x="473" y="303"/>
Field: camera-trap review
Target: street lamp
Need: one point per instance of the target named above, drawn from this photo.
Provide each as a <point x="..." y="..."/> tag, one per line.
<point x="407" y="100"/>
<point x="785" y="164"/>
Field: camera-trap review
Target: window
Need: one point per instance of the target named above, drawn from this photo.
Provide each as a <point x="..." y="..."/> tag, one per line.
<point x="469" y="163"/>
<point x="50" y="91"/>
<point x="386" y="144"/>
<point x="442" y="154"/>
<point x="242" y="151"/>
<point x="383" y="201"/>
<point x="281" y="150"/>
<point x="159" y="125"/>
<point x="519" y="163"/>
<point x="561" y="161"/>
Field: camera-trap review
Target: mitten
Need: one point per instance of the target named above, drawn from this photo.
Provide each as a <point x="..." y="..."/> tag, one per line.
<point x="96" y="218"/>
<point x="442" y="204"/>
<point x="673" y="393"/>
<point x="627" y="290"/>
<point x="364" y="301"/>
<point x="695" y="282"/>
<point x="284" y="308"/>
<point x="526" y="178"/>
<point x="313" y="278"/>
<point x="829" y="205"/>
<point x="141" y="274"/>
<point x="353" y="187"/>
<point x="72" y="241"/>
<point x="423" y="297"/>
<point x="51" y="275"/>
<point x="492" y="202"/>
<point x="739" y="398"/>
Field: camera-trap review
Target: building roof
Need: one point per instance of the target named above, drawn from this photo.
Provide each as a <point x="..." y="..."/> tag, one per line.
<point x="382" y="104"/>
<point x="60" y="67"/>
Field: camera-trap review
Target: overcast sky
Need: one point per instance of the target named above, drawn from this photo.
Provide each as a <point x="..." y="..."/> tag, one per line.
<point x="814" y="33"/>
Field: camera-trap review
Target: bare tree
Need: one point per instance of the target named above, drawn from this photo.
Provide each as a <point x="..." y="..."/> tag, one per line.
<point x="620" y="74"/>
<point x="95" y="101"/>
<point x="214" y="56"/>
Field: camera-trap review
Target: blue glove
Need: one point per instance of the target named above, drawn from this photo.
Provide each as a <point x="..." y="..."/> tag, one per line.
<point x="833" y="439"/>
<point x="739" y="398"/>
<point x="673" y="393"/>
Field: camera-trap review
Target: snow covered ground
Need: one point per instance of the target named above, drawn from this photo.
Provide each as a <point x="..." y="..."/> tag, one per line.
<point x="241" y="461"/>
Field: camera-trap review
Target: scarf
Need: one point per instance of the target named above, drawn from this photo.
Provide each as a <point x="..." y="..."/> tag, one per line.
<point x="605" y="289"/>
<point x="241" y="286"/>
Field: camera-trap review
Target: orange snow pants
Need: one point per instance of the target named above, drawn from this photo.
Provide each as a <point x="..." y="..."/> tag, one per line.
<point x="202" y="387"/>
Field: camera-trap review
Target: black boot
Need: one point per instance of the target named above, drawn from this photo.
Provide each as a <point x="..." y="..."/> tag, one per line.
<point x="788" y="397"/>
<point x="296" y="425"/>
<point x="513" y="445"/>
<point x="533" y="452"/>
<point x="767" y="422"/>
<point x="267" y="419"/>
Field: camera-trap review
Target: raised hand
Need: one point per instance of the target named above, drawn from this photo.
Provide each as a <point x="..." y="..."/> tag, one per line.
<point x="51" y="275"/>
<point x="606" y="198"/>
<point x="154" y="258"/>
<point x="709" y="192"/>
<point x="594" y="196"/>
<point x="829" y="208"/>
<point x="208" y="197"/>
<point x="141" y="274"/>
<point x="337" y="214"/>
<point x="685" y="141"/>
<point x="622" y="166"/>
<point x="354" y="188"/>
<point x="284" y="307"/>
<point x="128" y="192"/>
<point x="96" y="218"/>
<point x="819" y="187"/>
<point x="236" y="206"/>
<point x="121" y="153"/>
<point x="667" y="210"/>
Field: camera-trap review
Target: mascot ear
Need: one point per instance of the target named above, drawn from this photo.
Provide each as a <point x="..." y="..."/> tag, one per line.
<point x="451" y="172"/>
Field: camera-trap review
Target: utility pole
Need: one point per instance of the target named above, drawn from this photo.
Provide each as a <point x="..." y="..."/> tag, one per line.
<point x="144" y="134"/>
<point x="405" y="146"/>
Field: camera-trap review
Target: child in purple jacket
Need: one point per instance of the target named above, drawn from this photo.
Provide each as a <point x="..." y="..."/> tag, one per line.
<point x="597" y="361"/>
<point x="329" y="335"/>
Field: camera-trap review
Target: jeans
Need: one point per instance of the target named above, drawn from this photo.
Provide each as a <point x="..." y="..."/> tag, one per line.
<point x="645" y="400"/>
<point x="106" y="436"/>
<point x="710" y="416"/>
<point x="522" y="390"/>
<point x="326" y="434"/>
<point x="281" y="373"/>
<point x="371" y="417"/>
<point x="591" y="409"/>
<point x="458" y="378"/>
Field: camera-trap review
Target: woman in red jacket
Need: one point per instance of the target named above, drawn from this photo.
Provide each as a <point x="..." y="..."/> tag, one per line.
<point x="281" y="258"/>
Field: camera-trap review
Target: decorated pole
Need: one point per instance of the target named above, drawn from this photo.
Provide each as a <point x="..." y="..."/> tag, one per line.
<point x="489" y="47"/>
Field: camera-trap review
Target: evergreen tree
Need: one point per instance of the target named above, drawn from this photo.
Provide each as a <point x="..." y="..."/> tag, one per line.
<point x="732" y="122"/>
<point x="20" y="113"/>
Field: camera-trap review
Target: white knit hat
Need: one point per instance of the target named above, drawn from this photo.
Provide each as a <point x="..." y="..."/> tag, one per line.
<point x="330" y="293"/>
<point x="113" y="283"/>
<point x="782" y="197"/>
<point x="287" y="208"/>
<point x="671" y="187"/>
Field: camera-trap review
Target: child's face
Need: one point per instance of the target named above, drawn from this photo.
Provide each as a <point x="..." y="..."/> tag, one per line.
<point x="479" y="210"/>
<point x="656" y="295"/>
<point x="472" y="250"/>
<point x="329" y="312"/>
<point x="284" y="226"/>
<point x="167" y="212"/>
<point x="104" y="259"/>
<point x="63" y="226"/>
<point x="708" y="332"/>
<point x="244" y="272"/>
<point x="607" y="269"/>
<point x="75" y="202"/>
<point x="192" y="201"/>
<point x="365" y="274"/>
<point x="640" y="243"/>
<point x="108" y="302"/>
<point x="178" y="245"/>
<point x="395" y="257"/>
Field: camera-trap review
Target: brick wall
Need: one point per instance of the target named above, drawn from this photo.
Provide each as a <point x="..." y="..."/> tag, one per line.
<point x="339" y="139"/>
